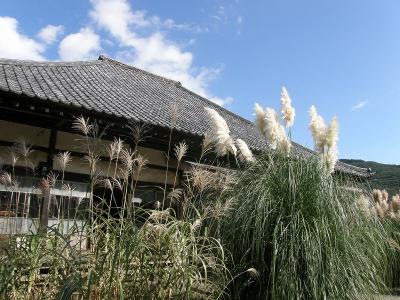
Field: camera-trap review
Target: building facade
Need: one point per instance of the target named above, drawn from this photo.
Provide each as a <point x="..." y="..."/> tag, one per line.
<point x="39" y="103"/>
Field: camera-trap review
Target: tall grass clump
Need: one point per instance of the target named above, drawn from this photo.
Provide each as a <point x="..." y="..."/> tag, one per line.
<point x="117" y="249"/>
<point x="388" y="211"/>
<point x="301" y="229"/>
<point x="298" y="223"/>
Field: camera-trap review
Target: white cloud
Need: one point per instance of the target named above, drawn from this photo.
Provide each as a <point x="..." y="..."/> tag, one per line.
<point x="239" y="19"/>
<point x="82" y="45"/>
<point x="153" y="52"/>
<point x="359" y="105"/>
<point x="50" y="33"/>
<point x="13" y="44"/>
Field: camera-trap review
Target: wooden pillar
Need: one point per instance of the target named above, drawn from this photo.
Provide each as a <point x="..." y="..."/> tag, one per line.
<point x="44" y="217"/>
<point x="51" y="149"/>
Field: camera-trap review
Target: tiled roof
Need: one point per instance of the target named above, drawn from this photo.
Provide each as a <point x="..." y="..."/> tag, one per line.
<point x="113" y="88"/>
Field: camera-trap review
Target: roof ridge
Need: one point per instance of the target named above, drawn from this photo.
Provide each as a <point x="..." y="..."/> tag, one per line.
<point x="23" y="62"/>
<point x="102" y="57"/>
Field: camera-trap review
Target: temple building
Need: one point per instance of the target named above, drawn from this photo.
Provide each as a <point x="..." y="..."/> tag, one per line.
<point x="39" y="102"/>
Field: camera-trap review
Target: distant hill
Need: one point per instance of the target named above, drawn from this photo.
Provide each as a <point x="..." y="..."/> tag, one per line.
<point x="386" y="177"/>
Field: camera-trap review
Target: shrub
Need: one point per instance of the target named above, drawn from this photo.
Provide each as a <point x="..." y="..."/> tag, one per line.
<point x="301" y="229"/>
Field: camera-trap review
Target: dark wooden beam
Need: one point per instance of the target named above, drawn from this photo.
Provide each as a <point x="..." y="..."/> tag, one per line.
<point x="51" y="150"/>
<point x="49" y="112"/>
<point x="44" y="217"/>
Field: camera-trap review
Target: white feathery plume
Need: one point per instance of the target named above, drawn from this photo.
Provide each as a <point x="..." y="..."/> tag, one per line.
<point x="273" y="129"/>
<point x="221" y="133"/>
<point x="63" y="159"/>
<point x="325" y="138"/>
<point x="332" y="134"/>
<point x="318" y="129"/>
<point x="180" y="150"/>
<point x="259" y="112"/>
<point x="285" y="145"/>
<point x="288" y="111"/>
<point x="245" y="153"/>
<point x="330" y="159"/>
<point x="331" y="139"/>
<point x="363" y="204"/>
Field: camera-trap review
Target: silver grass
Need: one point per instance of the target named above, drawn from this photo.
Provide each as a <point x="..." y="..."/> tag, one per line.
<point x="67" y="187"/>
<point x="224" y="143"/>
<point x="288" y="111"/>
<point x="140" y="163"/>
<point x="92" y="160"/>
<point x="82" y="125"/>
<point x="22" y="148"/>
<point x="332" y="133"/>
<point x="331" y="138"/>
<point x="127" y="160"/>
<point x="285" y="145"/>
<point x="138" y="132"/>
<point x="63" y="159"/>
<point x="259" y="112"/>
<point x="47" y="183"/>
<point x="318" y="129"/>
<point x="395" y="204"/>
<point x="206" y="144"/>
<point x="175" y="194"/>
<point x="115" y="148"/>
<point x="274" y="131"/>
<point x="180" y="150"/>
<point x="245" y="153"/>
<point x="330" y="159"/>
<point x="363" y="205"/>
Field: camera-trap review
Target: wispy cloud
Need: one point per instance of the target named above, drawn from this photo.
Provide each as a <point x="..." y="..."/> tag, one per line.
<point x="359" y="105"/>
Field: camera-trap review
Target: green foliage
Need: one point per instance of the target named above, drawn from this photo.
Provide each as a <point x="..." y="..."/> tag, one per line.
<point x="163" y="259"/>
<point x="300" y="228"/>
<point x="392" y="229"/>
<point x="387" y="177"/>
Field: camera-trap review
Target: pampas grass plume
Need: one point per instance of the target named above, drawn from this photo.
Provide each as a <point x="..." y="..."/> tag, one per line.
<point x="288" y="110"/>
<point x="332" y="133"/>
<point x="245" y="153"/>
<point x="259" y="112"/>
<point x="318" y="128"/>
<point x="273" y="129"/>
<point x="221" y="133"/>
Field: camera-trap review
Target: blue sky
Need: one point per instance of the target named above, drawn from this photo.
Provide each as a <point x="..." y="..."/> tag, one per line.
<point x="342" y="56"/>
